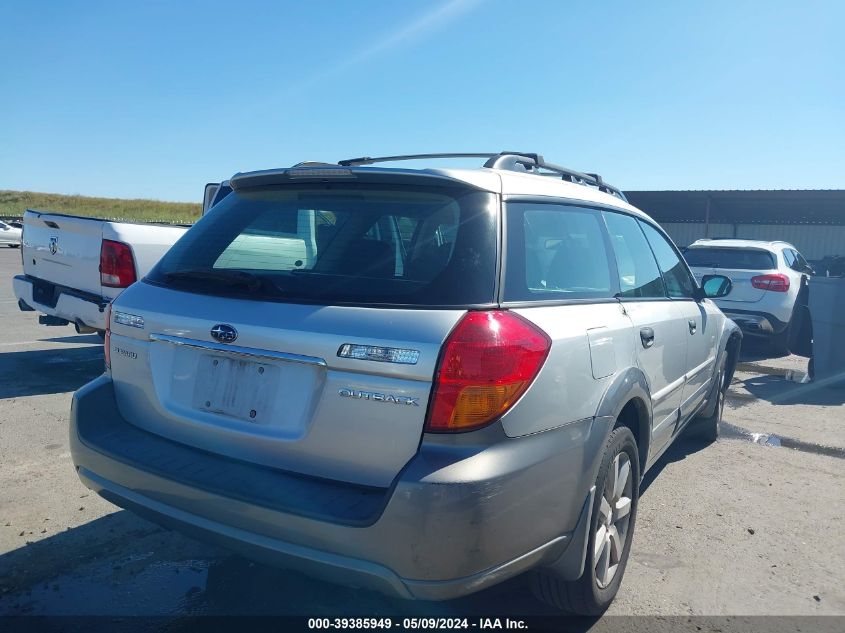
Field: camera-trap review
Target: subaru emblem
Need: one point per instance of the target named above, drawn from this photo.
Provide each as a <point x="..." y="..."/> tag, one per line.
<point x="224" y="333"/>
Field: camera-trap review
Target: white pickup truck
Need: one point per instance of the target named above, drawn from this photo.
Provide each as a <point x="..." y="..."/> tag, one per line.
<point x="74" y="266"/>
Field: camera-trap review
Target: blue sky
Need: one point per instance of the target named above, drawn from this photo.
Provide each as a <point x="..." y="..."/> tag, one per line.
<point x="153" y="99"/>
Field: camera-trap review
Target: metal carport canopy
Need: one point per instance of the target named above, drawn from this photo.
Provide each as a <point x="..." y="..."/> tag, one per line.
<point x="774" y="206"/>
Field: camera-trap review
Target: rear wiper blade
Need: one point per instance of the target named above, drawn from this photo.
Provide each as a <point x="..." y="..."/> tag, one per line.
<point x="226" y="277"/>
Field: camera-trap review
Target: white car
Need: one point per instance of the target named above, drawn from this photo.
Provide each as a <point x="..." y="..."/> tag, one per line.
<point x="9" y="235"/>
<point x="768" y="278"/>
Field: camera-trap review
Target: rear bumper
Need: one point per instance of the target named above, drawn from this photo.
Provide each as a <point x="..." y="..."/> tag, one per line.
<point x="756" y="323"/>
<point x="460" y="517"/>
<point x="74" y="306"/>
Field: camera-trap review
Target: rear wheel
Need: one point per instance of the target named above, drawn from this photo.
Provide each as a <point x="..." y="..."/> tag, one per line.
<point x="779" y="343"/>
<point x="611" y="530"/>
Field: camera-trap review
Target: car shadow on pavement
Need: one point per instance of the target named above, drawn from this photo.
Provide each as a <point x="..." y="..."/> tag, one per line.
<point x="80" y="339"/>
<point x="121" y="565"/>
<point x="778" y="390"/>
<point x="685" y="445"/>
<point x="38" y="372"/>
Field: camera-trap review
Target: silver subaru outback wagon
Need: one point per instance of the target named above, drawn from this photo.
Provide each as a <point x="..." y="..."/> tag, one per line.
<point x="422" y="381"/>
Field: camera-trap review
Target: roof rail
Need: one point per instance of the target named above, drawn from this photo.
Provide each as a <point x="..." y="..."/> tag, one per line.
<point x="511" y="161"/>
<point x="367" y="160"/>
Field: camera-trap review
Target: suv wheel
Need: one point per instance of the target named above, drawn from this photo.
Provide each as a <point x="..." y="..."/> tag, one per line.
<point x="779" y="343"/>
<point x="611" y="531"/>
<point x="708" y="427"/>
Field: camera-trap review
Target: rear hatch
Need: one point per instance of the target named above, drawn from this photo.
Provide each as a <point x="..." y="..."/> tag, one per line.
<point x="63" y="249"/>
<point x="740" y="265"/>
<point x="299" y="326"/>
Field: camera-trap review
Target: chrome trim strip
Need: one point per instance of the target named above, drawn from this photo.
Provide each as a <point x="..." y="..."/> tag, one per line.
<point x="659" y="396"/>
<point x="705" y="365"/>
<point x="237" y="350"/>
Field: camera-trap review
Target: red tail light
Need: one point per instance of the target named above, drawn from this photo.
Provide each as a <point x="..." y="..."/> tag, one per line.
<point x="776" y="282"/>
<point x="117" y="266"/>
<point x="487" y="363"/>
<point x="107" y="338"/>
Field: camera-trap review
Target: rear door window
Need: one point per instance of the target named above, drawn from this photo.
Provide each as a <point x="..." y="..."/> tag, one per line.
<point x="342" y="243"/>
<point x="555" y="252"/>
<point x="729" y="258"/>
<point x="639" y="275"/>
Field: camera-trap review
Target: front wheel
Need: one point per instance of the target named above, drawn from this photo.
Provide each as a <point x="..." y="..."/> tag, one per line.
<point x="707" y="427"/>
<point x="611" y="530"/>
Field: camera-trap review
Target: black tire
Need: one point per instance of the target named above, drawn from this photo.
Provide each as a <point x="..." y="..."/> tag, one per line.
<point x="585" y="596"/>
<point x="707" y="427"/>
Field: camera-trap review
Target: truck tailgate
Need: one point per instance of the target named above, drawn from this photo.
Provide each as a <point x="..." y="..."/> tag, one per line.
<point x="63" y="249"/>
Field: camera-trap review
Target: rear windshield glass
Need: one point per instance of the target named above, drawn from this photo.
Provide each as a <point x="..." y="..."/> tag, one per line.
<point x="731" y="258"/>
<point x="341" y="243"/>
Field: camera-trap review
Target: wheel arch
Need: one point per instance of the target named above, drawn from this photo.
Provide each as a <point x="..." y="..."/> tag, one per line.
<point x="627" y="401"/>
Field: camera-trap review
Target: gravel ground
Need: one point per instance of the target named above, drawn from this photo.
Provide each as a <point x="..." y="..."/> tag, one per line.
<point x="739" y="527"/>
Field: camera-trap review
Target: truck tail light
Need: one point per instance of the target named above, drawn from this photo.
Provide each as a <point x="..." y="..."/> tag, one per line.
<point x="486" y="364"/>
<point x="107" y="338"/>
<point x="776" y="282"/>
<point x="117" y="266"/>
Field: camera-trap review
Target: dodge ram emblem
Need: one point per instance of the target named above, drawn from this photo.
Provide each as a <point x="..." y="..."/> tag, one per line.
<point x="224" y="333"/>
<point x="54" y="245"/>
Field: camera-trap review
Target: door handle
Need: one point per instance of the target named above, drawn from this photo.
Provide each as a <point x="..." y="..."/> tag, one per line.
<point x="647" y="337"/>
<point x="692" y="326"/>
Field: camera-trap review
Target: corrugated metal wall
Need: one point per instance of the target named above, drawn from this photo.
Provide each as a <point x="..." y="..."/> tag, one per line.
<point x="813" y="240"/>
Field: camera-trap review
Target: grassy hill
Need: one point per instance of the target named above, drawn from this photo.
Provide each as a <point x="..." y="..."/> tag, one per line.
<point x="14" y="203"/>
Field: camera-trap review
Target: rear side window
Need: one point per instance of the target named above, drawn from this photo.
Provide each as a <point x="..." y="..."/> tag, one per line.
<point x="730" y="258"/>
<point x="342" y="243"/>
<point x="638" y="272"/>
<point x="789" y="257"/>
<point x="678" y="281"/>
<point x="555" y="252"/>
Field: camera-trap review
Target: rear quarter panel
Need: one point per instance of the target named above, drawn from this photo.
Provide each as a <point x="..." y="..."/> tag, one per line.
<point x="591" y="344"/>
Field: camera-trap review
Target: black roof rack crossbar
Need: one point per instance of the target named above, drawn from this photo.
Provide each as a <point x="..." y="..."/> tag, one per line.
<point x="533" y="162"/>
<point x="511" y="161"/>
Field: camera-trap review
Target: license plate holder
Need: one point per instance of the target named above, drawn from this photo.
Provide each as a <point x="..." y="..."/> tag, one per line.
<point x="236" y="387"/>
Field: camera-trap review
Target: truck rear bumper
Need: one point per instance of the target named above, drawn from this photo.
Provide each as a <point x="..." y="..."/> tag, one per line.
<point x="74" y="306"/>
<point x="456" y="520"/>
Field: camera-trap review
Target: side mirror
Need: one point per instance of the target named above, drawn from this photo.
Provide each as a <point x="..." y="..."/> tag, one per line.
<point x="208" y="196"/>
<point x="714" y="287"/>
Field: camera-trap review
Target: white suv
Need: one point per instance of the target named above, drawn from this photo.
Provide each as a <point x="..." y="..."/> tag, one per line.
<point x="768" y="278"/>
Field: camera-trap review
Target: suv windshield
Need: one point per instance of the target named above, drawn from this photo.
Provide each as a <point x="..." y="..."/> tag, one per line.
<point x="730" y="258"/>
<point x="342" y="243"/>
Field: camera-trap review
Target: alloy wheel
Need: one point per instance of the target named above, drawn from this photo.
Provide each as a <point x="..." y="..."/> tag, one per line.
<point x="613" y="520"/>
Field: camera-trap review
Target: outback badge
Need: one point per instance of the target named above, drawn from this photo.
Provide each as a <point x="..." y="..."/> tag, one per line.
<point x="377" y="397"/>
